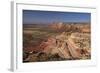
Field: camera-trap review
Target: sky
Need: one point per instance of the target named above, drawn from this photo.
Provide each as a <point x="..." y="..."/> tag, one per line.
<point x="46" y="17"/>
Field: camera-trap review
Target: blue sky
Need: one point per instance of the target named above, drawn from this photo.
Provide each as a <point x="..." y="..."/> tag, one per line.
<point x="31" y="17"/>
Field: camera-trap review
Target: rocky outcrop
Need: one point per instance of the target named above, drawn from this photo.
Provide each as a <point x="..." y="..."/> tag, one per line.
<point x="58" y="48"/>
<point x="62" y="46"/>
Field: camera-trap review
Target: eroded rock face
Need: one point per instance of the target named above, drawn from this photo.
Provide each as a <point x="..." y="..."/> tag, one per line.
<point x="61" y="46"/>
<point x="57" y="25"/>
<point x="58" y="48"/>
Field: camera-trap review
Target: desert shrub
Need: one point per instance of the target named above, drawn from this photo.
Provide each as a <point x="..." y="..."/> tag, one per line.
<point x="42" y="57"/>
<point x="54" y="57"/>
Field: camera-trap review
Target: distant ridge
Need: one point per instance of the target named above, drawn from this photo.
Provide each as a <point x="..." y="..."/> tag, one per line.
<point x="58" y="22"/>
